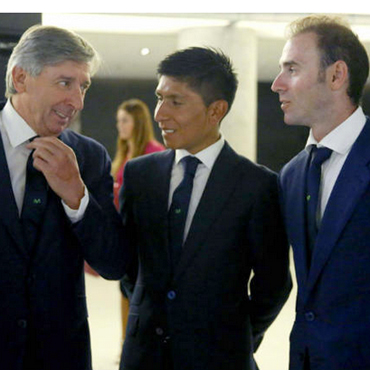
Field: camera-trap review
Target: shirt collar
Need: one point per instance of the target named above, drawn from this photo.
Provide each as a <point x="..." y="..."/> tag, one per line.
<point x="207" y="156"/>
<point x="342" y="138"/>
<point x="16" y="127"/>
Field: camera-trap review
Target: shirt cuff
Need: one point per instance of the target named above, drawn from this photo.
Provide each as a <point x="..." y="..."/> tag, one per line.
<point x="76" y="215"/>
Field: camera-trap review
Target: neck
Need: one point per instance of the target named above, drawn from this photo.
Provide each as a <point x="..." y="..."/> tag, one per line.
<point x="335" y="119"/>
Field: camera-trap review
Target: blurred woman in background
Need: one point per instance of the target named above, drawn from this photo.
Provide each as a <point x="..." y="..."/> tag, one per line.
<point x="135" y="137"/>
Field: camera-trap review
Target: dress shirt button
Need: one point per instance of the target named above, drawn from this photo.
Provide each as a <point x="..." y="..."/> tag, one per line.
<point x="159" y="331"/>
<point x="22" y="323"/>
<point x="310" y="316"/>
<point x="171" y="295"/>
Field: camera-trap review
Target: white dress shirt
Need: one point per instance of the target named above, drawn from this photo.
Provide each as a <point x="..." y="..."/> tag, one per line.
<point x="207" y="157"/>
<point x="16" y="133"/>
<point x="340" y="140"/>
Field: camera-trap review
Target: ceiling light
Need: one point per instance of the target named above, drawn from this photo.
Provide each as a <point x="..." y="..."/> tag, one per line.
<point x="145" y="51"/>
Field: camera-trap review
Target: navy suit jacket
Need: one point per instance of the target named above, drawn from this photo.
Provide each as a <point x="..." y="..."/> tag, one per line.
<point x="42" y="291"/>
<point x="204" y="308"/>
<point x="333" y="305"/>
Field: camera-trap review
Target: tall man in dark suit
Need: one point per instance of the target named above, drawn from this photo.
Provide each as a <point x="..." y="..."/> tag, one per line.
<point x="323" y="71"/>
<point x="190" y="309"/>
<point x="70" y="216"/>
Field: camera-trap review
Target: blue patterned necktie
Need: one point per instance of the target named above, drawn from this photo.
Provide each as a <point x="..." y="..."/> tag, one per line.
<point x="34" y="202"/>
<point x="317" y="157"/>
<point x="179" y="208"/>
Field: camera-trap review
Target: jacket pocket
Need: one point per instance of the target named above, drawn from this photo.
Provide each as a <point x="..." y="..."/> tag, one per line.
<point x="132" y="324"/>
<point x="137" y="296"/>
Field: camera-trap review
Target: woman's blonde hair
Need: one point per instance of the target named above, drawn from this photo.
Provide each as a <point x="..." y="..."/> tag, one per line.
<point x="142" y="132"/>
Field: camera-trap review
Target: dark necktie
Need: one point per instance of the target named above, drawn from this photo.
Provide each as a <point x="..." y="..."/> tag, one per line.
<point x="34" y="202"/>
<point x="317" y="157"/>
<point x="179" y="208"/>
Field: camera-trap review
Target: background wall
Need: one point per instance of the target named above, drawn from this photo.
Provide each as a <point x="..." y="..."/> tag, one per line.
<point x="12" y="25"/>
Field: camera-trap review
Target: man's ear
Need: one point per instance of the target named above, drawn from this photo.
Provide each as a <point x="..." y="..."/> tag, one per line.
<point x="217" y="111"/>
<point x="338" y="75"/>
<point x="19" y="76"/>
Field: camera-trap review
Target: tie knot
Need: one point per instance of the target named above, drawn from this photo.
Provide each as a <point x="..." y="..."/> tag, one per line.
<point x="320" y="155"/>
<point x="191" y="164"/>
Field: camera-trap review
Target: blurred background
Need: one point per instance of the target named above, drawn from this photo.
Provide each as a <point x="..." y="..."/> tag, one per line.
<point x="131" y="46"/>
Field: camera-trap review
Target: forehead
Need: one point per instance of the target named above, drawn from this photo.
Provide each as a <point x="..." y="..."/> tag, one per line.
<point x="301" y="49"/>
<point x="168" y="85"/>
<point x="69" y="69"/>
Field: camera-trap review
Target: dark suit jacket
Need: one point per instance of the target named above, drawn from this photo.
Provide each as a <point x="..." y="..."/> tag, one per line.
<point x="204" y="308"/>
<point x="333" y="306"/>
<point x="43" y="303"/>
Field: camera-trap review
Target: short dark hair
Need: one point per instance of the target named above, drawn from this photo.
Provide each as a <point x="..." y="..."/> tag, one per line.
<point x="336" y="41"/>
<point x="207" y="71"/>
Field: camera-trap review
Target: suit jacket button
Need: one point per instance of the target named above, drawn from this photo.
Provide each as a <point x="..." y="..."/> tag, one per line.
<point x="171" y="295"/>
<point x="310" y="316"/>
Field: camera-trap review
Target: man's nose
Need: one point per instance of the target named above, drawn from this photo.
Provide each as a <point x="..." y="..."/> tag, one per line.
<point x="77" y="98"/>
<point x="277" y="85"/>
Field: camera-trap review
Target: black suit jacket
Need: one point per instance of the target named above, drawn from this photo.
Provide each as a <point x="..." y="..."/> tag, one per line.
<point x="43" y="303"/>
<point x="204" y="308"/>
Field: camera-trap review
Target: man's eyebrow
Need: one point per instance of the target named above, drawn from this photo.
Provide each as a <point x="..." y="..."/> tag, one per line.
<point x="289" y="63"/>
<point x="170" y="96"/>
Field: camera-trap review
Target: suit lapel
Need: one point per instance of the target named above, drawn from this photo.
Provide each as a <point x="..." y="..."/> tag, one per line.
<point x="156" y="213"/>
<point x="216" y="193"/>
<point x="294" y="205"/>
<point x="353" y="180"/>
<point x="9" y="211"/>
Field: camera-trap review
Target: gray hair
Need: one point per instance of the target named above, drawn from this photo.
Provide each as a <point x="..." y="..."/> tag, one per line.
<point x="42" y="46"/>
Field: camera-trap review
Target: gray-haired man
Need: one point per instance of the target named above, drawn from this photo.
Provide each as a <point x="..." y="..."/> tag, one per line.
<point x="43" y="317"/>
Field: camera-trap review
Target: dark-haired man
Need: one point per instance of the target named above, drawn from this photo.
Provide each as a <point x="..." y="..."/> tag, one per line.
<point x="324" y="68"/>
<point x="190" y="308"/>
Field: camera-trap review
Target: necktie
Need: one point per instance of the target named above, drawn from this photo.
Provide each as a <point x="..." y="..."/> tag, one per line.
<point x="179" y="208"/>
<point x="318" y="157"/>
<point x="34" y="202"/>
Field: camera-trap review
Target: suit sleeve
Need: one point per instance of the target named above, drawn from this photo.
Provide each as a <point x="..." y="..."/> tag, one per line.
<point x="271" y="282"/>
<point x="100" y="232"/>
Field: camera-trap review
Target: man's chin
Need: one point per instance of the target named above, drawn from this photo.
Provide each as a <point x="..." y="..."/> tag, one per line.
<point x="55" y="130"/>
